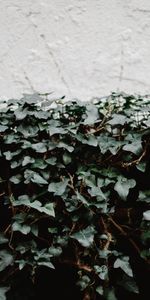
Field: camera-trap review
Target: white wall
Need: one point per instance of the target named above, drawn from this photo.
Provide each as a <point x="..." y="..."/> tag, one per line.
<point x="80" y="48"/>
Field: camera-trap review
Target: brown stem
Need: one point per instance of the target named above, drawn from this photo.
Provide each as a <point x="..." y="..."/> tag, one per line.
<point x="78" y="265"/>
<point x="134" y="162"/>
<point x="125" y="234"/>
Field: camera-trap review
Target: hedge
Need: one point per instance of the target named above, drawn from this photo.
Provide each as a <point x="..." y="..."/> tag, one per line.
<point x="75" y="192"/>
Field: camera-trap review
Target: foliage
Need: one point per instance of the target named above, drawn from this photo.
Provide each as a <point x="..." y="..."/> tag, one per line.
<point x="74" y="189"/>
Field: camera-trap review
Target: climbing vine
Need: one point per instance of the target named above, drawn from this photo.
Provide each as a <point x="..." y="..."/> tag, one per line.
<point x="75" y="190"/>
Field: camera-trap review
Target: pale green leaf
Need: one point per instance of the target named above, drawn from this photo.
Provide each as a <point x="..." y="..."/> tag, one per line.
<point x="85" y="237"/>
<point x="123" y="185"/>
<point x="124" y="264"/>
<point x="58" y="188"/>
<point x="6" y="259"/>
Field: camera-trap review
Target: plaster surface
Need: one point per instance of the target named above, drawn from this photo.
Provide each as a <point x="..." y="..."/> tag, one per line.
<point x="77" y="48"/>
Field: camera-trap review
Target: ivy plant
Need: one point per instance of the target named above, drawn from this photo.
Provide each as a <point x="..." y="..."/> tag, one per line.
<point x="75" y="189"/>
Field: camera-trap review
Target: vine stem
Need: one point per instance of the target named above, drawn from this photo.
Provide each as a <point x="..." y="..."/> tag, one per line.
<point x="125" y="234"/>
<point x="136" y="161"/>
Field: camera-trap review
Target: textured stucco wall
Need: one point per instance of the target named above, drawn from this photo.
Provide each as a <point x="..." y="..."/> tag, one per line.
<point x="80" y="48"/>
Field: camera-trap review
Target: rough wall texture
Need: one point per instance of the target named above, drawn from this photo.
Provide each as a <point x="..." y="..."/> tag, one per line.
<point x="80" y="48"/>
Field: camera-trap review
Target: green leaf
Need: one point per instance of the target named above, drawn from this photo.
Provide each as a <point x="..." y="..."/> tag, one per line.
<point x="6" y="259"/>
<point x="23" y="228"/>
<point x="134" y="147"/>
<point x="110" y="294"/>
<point x="100" y="290"/>
<point x="146" y="215"/>
<point x="141" y="166"/>
<point x="39" y="164"/>
<point x="58" y="188"/>
<point x="15" y="164"/>
<point x="91" y="114"/>
<point x="39" y="147"/>
<point x="16" y="179"/>
<point x="27" y="160"/>
<point x="90" y="140"/>
<point x="96" y="191"/>
<point x="66" y="158"/>
<point x="65" y="146"/>
<point x="46" y="264"/>
<point x="85" y="237"/>
<point x="28" y="131"/>
<point x="48" y="209"/>
<point x="35" y="229"/>
<point x="3" y="291"/>
<point x="129" y="284"/>
<point x="102" y="271"/>
<point x="55" y="251"/>
<point x="56" y="130"/>
<point x="34" y="177"/>
<point x="123" y="186"/>
<point x="20" y="113"/>
<point x="38" y="179"/>
<point x="51" y="161"/>
<point x="3" y="239"/>
<point x="3" y="128"/>
<point x="124" y="264"/>
<point x="84" y="282"/>
<point x="107" y="143"/>
<point x="118" y="119"/>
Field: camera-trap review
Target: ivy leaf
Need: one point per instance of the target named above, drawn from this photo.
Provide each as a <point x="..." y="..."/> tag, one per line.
<point x="9" y="155"/>
<point x="110" y="294"/>
<point x="51" y="161"/>
<point x="102" y="271"/>
<point x="3" y="128"/>
<point x="118" y="119"/>
<point x="85" y="237"/>
<point x="38" y="179"/>
<point x="66" y="158"/>
<point x="39" y="164"/>
<point x="84" y="282"/>
<point x="58" y="188"/>
<point x="48" y="209"/>
<point x="134" y="147"/>
<point x="21" y="113"/>
<point x="55" y="251"/>
<point x="96" y="191"/>
<point x="39" y="147"/>
<point x="28" y="131"/>
<point x="34" y="177"/>
<point x="141" y="166"/>
<point x="23" y="228"/>
<point x="16" y="179"/>
<point x="3" y="239"/>
<point x="3" y="291"/>
<point x="27" y="160"/>
<point x="6" y="259"/>
<point x="123" y="186"/>
<point x="91" y="113"/>
<point x="46" y="264"/>
<point x="34" y="229"/>
<point x="129" y="284"/>
<point x="90" y="140"/>
<point x="65" y="146"/>
<point x="146" y="215"/>
<point x="56" y="130"/>
<point x="123" y="263"/>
